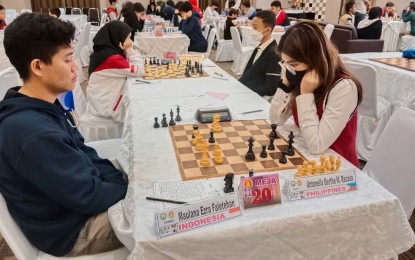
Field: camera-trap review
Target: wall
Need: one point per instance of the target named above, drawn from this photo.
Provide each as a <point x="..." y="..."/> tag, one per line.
<point x="399" y="4"/>
<point x="16" y="4"/>
<point x="332" y="11"/>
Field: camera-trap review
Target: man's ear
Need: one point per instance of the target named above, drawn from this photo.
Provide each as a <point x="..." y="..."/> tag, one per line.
<point x="36" y="67"/>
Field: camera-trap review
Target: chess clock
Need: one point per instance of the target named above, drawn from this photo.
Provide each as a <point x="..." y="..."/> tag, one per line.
<point x="205" y="115"/>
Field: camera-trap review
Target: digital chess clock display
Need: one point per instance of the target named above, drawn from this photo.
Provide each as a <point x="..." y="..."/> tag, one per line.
<point x="205" y="115"/>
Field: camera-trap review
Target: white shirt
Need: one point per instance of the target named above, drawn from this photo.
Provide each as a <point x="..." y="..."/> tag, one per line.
<point x="360" y="6"/>
<point x="262" y="47"/>
<point x="249" y="12"/>
<point x="236" y="6"/>
<point x="318" y="134"/>
<point x="210" y="16"/>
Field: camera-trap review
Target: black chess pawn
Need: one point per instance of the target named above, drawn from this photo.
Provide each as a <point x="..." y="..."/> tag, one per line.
<point x="158" y="62"/>
<point x="195" y="127"/>
<point x="201" y="69"/>
<point x="273" y="133"/>
<point x="145" y="61"/>
<point x="164" y="121"/>
<point x="264" y="153"/>
<point x="283" y="159"/>
<point x="250" y="156"/>
<point x="156" y="124"/>
<point x="193" y="70"/>
<point x="271" y="145"/>
<point x="228" y="183"/>
<point x="187" y="73"/>
<point x="178" y="117"/>
<point x="211" y="138"/>
<point x="172" y="122"/>
<point x="251" y="173"/>
<point x="290" y="149"/>
<point x="151" y="61"/>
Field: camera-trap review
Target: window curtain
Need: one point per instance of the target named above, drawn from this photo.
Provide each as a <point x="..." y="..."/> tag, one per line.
<point x="38" y="4"/>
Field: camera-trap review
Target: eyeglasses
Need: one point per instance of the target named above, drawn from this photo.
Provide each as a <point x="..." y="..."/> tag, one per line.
<point x="287" y="67"/>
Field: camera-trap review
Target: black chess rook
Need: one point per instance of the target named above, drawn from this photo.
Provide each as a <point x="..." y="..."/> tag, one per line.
<point x="283" y="158"/>
<point x="264" y="153"/>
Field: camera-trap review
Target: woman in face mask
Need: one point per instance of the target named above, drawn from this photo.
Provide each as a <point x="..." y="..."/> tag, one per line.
<point x="112" y="11"/>
<point x="318" y="91"/>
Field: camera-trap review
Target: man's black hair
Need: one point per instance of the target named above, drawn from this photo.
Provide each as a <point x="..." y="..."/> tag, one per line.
<point x="35" y="36"/>
<point x="267" y="17"/>
<point x="390" y="4"/>
<point x="375" y="12"/>
<point x="138" y="7"/>
<point x="412" y="7"/>
<point x="246" y="4"/>
<point x="349" y="6"/>
<point x="215" y="3"/>
<point x="2" y="7"/>
<point x="232" y="11"/>
<point x="112" y="1"/>
<point x="170" y="3"/>
<point x="276" y="4"/>
<point x="178" y="4"/>
<point x="186" y="7"/>
<point x="56" y="11"/>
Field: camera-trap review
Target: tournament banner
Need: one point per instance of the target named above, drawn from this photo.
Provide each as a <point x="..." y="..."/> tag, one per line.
<point x="321" y="185"/>
<point x="198" y="214"/>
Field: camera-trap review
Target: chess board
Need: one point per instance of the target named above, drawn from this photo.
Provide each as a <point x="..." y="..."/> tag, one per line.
<point x="175" y="72"/>
<point x="234" y="145"/>
<point x="399" y="62"/>
<point x="316" y="6"/>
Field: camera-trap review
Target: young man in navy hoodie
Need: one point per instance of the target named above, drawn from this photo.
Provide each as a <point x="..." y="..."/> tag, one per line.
<point x="57" y="189"/>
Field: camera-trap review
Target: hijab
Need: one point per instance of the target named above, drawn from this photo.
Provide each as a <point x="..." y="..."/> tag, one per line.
<point x="107" y="41"/>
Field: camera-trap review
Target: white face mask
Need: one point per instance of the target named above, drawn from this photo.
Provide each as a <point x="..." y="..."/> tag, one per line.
<point x="257" y="36"/>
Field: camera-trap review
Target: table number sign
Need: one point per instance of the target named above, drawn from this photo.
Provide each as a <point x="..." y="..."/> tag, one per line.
<point x="321" y="185"/>
<point x="198" y="214"/>
<point x="259" y="191"/>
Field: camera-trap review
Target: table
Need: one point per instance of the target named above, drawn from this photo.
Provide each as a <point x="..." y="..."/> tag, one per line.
<point x="394" y="84"/>
<point x="364" y="224"/>
<point x="157" y="46"/>
<point x="77" y="19"/>
<point x="391" y="31"/>
<point x="247" y="40"/>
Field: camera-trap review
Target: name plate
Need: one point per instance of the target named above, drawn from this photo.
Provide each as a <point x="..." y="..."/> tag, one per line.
<point x="190" y="216"/>
<point x="259" y="191"/>
<point x="321" y="185"/>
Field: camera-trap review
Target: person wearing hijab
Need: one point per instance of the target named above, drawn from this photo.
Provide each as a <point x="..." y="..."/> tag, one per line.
<point x="112" y="61"/>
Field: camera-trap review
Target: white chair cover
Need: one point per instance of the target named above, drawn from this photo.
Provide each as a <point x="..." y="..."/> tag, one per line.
<point x="10" y="15"/>
<point x="23" y="249"/>
<point x="95" y="128"/>
<point x="25" y="11"/>
<point x="374" y="111"/>
<point x="77" y="11"/>
<point x="107" y="148"/>
<point x="391" y="163"/>
<point x="84" y="55"/>
<point x="210" y="39"/>
<point x="206" y="31"/>
<point x="241" y="54"/>
<point x="328" y="30"/>
<point x="8" y="78"/>
<point x="77" y="54"/>
<point x="408" y="42"/>
<point x="104" y="19"/>
<point x="224" y="51"/>
<point x="62" y="10"/>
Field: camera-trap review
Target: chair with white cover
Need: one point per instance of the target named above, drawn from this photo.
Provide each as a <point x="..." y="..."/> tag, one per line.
<point x="210" y="40"/>
<point x="391" y="163"/>
<point x="206" y="31"/>
<point x="104" y="19"/>
<point x="84" y="52"/>
<point x="77" y="53"/>
<point x="224" y="50"/>
<point x="25" y="11"/>
<point x="10" y="15"/>
<point x="408" y="42"/>
<point x="94" y="128"/>
<point x="374" y="111"/>
<point x="8" y="78"/>
<point x="241" y="54"/>
<point x="23" y="249"/>
<point x="76" y="11"/>
<point x="62" y="10"/>
<point x="107" y="149"/>
<point x="93" y="16"/>
<point x="328" y="30"/>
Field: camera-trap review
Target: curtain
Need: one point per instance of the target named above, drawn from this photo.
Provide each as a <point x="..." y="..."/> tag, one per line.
<point x="38" y="4"/>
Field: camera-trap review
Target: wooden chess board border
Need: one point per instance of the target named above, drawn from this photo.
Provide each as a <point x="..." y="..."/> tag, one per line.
<point x="174" y="75"/>
<point x="270" y="169"/>
<point x="387" y="62"/>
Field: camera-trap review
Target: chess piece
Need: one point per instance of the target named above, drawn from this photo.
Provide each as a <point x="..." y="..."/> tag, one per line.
<point x="204" y="161"/>
<point x="167" y="67"/>
<point x="283" y="159"/>
<point x="219" y="158"/>
<point x="187" y="73"/>
<point x="211" y="139"/>
<point x="250" y="156"/>
<point x="195" y="127"/>
<point x="172" y="122"/>
<point x="199" y="143"/>
<point x="217" y="151"/>
<point x="228" y="183"/>
<point x="158" y="62"/>
<point x="216" y="126"/>
<point x="271" y="145"/>
<point x="164" y="121"/>
<point x="151" y="62"/>
<point x="201" y="69"/>
<point x="290" y="149"/>
<point x="178" y="117"/>
<point x="273" y="133"/>
<point x="338" y="164"/>
<point x="251" y="173"/>
<point x="145" y="61"/>
<point x="264" y="153"/>
<point x="156" y="124"/>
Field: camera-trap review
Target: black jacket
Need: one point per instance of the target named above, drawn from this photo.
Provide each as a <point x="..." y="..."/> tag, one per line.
<point x="372" y="31"/>
<point x="52" y="182"/>
<point x="263" y="76"/>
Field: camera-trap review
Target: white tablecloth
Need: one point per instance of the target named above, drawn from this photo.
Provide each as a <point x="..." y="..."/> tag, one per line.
<point x="247" y="40"/>
<point x="157" y="46"/>
<point x="77" y="19"/>
<point x="390" y="34"/>
<point x="364" y="224"/>
<point x="394" y="84"/>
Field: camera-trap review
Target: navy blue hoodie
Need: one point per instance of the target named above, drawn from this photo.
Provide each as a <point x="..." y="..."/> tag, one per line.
<point x="51" y="181"/>
<point x="191" y="27"/>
